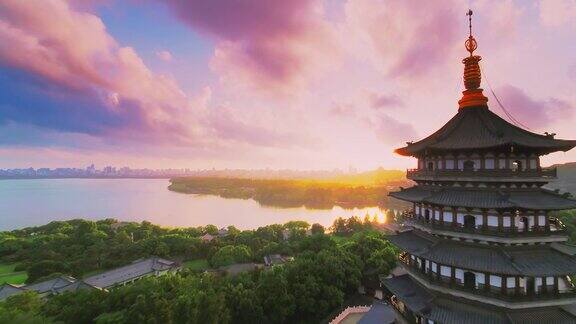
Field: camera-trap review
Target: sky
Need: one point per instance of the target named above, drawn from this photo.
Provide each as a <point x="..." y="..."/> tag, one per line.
<point x="300" y="84"/>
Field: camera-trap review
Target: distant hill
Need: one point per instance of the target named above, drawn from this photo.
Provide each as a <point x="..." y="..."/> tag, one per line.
<point x="566" y="178"/>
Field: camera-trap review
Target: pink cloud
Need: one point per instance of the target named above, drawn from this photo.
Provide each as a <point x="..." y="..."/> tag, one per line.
<point x="379" y="101"/>
<point x="271" y="45"/>
<point x="409" y="37"/>
<point x="164" y="55"/>
<point x="534" y="113"/>
<point x="72" y="51"/>
<point x="392" y="131"/>
<point x="343" y="110"/>
<point x="558" y="12"/>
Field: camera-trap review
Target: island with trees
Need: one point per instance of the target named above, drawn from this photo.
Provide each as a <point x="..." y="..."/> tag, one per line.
<point x="368" y="189"/>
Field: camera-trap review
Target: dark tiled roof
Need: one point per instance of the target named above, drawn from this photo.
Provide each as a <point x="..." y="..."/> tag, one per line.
<point x="446" y="310"/>
<point x="543" y="315"/>
<point x="521" y="260"/>
<point x="533" y="199"/>
<point x="129" y="272"/>
<point x="406" y="290"/>
<point x="76" y="286"/>
<point x="479" y="128"/>
<point x="51" y="285"/>
<point x="379" y="313"/>
<point x="7" y="290"/>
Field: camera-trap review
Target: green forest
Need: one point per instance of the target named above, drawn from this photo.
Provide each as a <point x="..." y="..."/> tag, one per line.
<point x="323" y="277"/>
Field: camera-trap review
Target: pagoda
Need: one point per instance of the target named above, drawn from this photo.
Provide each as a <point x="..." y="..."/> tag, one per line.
<point x="481" y="242"/>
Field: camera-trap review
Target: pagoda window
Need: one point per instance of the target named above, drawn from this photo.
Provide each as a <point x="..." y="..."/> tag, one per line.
<point x="459" y="275"/>
<point x="448" y="216"/>
<point x="445" y="272"/>
<point x="437" y="215"/>
<point x="492" y="221"/>
<point x="541" y="220"/>
<point x="440" y="166"/>
<point x="449" y="164"/>
<point x="495" y="283"/>
<point x="506" y="221"/>
<point x="489" y="164"/>
<point x="510" y="285"/>
<point x="564" y="285"/>
<point x="430" y="166"/>
<point x="480" y="280"/>
<point x="460" y="218"/>
<point x="417" y="210"/>
<point x="502" y="163"/>
<point x="533" y="164"/>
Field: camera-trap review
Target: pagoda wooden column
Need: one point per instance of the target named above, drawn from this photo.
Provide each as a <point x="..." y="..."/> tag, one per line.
<point x="556" y="290"/>
<point x="452" y="276"/>
<point x="513" y="222"/>
<point x="485" y="219"/>
<point x="441" y="211"/>
<point x="487" y="281"/>
<point x="504" y="286"/>
<point x="517" y="286"/>
<point x="454" y="217"/>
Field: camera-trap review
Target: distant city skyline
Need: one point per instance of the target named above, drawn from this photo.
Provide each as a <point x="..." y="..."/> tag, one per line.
<point x="303" y="84"/>
<point x="92" y="171"/>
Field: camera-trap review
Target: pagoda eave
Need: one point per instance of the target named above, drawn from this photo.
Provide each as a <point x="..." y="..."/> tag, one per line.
<point x="486" y="199"/>
<point x="535" y="260"/>
<point x="447" y="309"/>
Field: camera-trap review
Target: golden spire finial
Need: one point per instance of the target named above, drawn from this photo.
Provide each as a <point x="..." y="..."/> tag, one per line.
<point x="472" y="96"/>
<point x="470" y="44"/>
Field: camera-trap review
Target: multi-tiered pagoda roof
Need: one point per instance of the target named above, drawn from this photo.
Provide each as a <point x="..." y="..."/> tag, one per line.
<point x="481" y="129"/>
<point x="482" y="243"/>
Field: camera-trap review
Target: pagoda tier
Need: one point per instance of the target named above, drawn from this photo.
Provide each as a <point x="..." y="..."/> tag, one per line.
<point x="512" y="277"/>
<point x="479" y="129"/>
<point x="419" y="305"/>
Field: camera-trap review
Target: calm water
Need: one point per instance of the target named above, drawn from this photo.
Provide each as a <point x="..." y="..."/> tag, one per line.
<point x="36" y="202"/>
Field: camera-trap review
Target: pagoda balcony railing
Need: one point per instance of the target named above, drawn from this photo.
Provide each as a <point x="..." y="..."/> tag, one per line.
<point x="499" y="173"/>
<point x="506" y="294"/>
<point x="555" y="227"/>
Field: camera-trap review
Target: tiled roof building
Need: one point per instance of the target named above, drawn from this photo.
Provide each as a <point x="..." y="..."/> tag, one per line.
<point x="106" y="280"/>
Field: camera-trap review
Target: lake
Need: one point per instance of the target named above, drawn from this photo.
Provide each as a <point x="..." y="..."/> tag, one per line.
<point x="32" y="202"/>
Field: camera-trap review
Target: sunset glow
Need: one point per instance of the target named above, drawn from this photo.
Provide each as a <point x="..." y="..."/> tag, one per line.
<point x="300" y="84"/>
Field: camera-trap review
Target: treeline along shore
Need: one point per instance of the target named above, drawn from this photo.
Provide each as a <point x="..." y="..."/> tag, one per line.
<point x="314" y="194"/>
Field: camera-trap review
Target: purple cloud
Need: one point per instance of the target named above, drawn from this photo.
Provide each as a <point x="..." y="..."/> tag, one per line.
<point x="379" y="101"/>
<point x="532" y="112"/>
